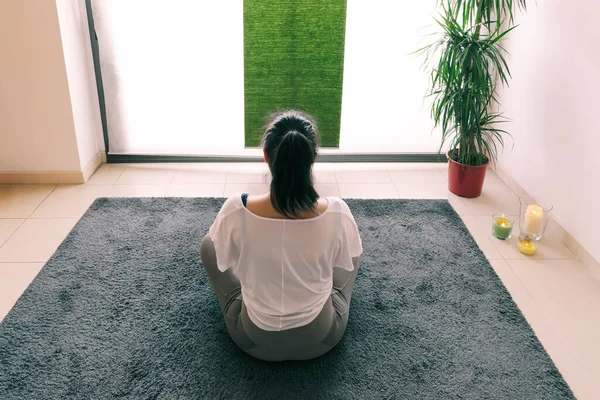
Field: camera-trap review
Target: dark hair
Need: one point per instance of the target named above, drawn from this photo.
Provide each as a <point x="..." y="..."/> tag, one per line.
<point x="291" y="144"/>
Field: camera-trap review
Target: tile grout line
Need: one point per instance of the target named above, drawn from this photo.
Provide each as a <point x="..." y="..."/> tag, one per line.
<point x="121" y="174"/>
<point x="526" y="288"/>
<point x="15" y="231"/>
<point x="168" y="185"/>
<point x="565" y="345"/>
<point x="337" y="184"/>
<point x="30" y="216"/>
<point x="42" y="202"/>
<point x="23" y="262"/>
<point x="42" y="218"/>
<point x="226" y="182"/>
<point x="393" y="184"/>
<point x="553" y="320"/>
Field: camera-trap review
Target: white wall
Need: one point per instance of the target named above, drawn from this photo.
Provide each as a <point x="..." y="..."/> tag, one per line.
<point x="81" y="77"/>
<point x="553" y="103"/>
<point x="36" y="123"/>
<point x="49" y="115"/>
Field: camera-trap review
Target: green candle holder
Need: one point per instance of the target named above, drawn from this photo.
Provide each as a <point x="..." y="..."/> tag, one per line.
<point x="502" y="226"/>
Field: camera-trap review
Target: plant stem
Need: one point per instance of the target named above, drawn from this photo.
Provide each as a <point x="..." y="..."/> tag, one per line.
<point x="478" y="19"/>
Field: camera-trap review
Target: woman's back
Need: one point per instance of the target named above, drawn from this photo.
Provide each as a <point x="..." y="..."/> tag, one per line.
<point x="285" y="266"/>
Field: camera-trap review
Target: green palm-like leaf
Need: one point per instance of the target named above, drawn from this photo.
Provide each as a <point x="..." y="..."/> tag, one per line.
<point x="465" y="62"/>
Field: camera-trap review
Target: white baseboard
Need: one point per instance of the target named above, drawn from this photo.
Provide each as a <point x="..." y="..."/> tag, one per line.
<point x="558" y="230"/>
<point x="42" y="177"/>
<point x="92" y="166"/>
<point x="56" y="177"/>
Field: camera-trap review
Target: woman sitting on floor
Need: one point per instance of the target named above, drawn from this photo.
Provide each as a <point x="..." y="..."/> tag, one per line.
<point x="283" y="264"/>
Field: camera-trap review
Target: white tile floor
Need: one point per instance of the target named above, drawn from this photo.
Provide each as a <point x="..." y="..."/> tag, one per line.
<point x="557" y="293"/>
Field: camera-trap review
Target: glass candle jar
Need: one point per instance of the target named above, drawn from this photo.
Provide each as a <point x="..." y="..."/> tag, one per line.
<point x="527" y="243"/>
<point x="533" y="217"/>
<point x="502" y="226"/>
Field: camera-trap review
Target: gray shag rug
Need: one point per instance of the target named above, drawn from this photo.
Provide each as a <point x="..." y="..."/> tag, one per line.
<point x="123" y="309"/>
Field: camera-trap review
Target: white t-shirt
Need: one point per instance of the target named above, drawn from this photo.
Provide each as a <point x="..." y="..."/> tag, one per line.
<point x="285" y="266"/>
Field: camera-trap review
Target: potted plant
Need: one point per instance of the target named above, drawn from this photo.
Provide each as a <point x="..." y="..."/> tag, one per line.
<point x="465" y="63"/>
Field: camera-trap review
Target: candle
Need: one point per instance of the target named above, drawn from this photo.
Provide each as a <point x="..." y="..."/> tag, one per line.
<point x="527" y="244"/>
<point x="501" y="226"/>
<point x="533" y="219"/>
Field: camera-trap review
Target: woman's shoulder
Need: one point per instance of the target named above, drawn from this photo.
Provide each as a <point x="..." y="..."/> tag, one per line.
<point x="338" y="205"/>
<point x="232" y="204"/>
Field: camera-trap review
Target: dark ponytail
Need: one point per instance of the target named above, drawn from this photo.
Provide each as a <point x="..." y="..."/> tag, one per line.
<point x="291" y="144"/>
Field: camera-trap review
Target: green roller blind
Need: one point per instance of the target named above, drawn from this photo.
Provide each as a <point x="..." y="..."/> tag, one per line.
<point x="293" y="58"/>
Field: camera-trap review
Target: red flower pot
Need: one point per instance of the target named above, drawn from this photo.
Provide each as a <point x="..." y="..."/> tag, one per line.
<point x="465" y="180"/>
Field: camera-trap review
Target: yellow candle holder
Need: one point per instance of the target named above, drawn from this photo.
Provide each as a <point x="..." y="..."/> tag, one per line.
<point x="527" y="243"/>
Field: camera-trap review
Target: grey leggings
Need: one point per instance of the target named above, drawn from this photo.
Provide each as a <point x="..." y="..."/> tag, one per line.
<point x="303" y="343"/>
